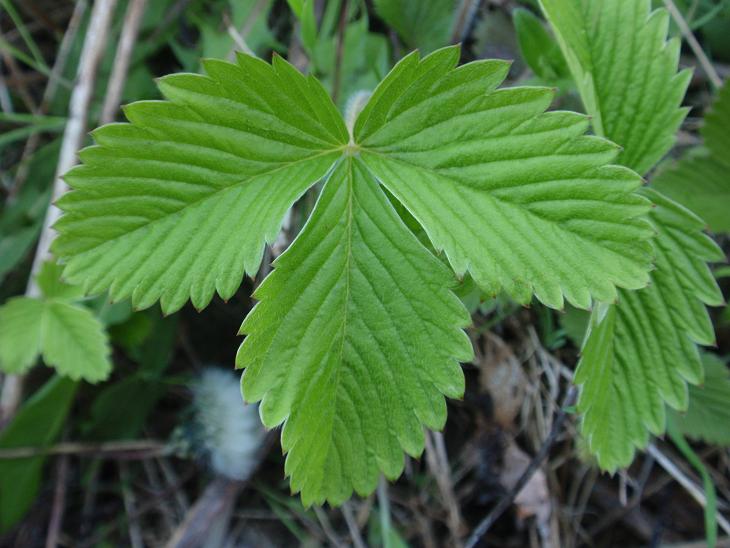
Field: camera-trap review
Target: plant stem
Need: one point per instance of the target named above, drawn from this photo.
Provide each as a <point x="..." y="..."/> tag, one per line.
<point x="132" y="19"/>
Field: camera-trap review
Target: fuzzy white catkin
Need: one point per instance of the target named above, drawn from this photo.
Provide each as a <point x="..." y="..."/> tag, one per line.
<point x="355" y="103"/>
<point x="230" y="430"/>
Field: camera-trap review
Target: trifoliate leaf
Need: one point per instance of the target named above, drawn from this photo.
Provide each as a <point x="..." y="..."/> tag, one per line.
<point x="179" y="203"/>
<point x="67" y="336"/>
<point x="626" y="73"/>
<point x="357" y="337"/>
<point x="700" y="180"/>
<point x="354" y="344"/>
<point x="518" y="197"/>
<point x="708" y="416"/>
<point x="640" y="353"/>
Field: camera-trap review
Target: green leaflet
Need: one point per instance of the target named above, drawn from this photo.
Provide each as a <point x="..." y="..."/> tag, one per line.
<point x="516" y="196"/>
<point x="68" y="336"/>
<point x="179" y="203"/>
<point x="708" y="416"/>
<point x="640" y="353"/>
<point x="357" y="337"/>
<point x="626" y="73"/>
<point x="355" y="340"/>
<point x="700" y="180"/>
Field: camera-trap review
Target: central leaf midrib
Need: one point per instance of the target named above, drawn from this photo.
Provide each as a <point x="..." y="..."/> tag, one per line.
<point x="350" y="264"/>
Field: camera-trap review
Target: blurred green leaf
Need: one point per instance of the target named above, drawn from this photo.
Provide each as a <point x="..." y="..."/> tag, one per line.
<point x="708" y="416"/>
<point x="248" y="18"/>
<point x="132" y="332"/>
<point x="110" y="313"/>
<point x="50" y="283"/>
<point x="539" y="49"/>
<point x="297" y="6"/>
<point x="21" y="219"/>
<point x="14" y="246"/>
<point x="309" y="25"/>
<point x="38" y="423"/>
<point x="574" y="322"/>
<point x="69" y="337"/>
<point x="364" y="60"/>
<point x="33" y="124"/>
<point x="699" y="181"/>
<point x="710" y="507"/>
<point x="111" y="420"/>
<point x="425" y="25"/>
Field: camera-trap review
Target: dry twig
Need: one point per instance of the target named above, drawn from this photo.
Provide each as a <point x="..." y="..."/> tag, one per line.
<point x="705" y="63"/>
<point x="694" y="491"/>
<point x="352" y="526"/>
<point x="132" y="19"/>
<point x="438" y="464"/>
<point x="59" y="503"/>
<point x="144" y="448"/>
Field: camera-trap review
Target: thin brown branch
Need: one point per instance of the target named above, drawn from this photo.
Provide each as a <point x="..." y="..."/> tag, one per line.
<point x="352" y="527"/>
<point x="141" y="448"/>
<point x="207" y="519"/>
<point x="326" y="525"/>
<point x="694" y="491"/>
<point x="438" y="464"/>
<point x="464" y="20"/>
<point x="59" y="503"/>
<point x="130" y="28"/>
<point x="130" y="507"/>
<point x="694" y="45"/>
